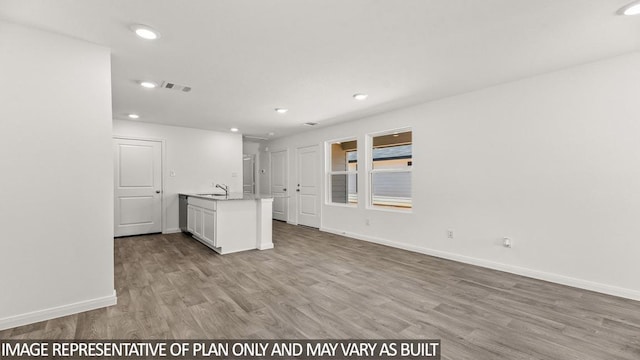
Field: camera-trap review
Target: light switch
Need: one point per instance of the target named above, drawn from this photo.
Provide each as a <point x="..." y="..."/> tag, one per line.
<point x="172" y="173"/>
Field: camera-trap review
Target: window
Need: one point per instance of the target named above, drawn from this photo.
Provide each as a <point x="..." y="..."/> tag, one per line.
<point x="343" y="172"/>
<point x="390" y="168"/>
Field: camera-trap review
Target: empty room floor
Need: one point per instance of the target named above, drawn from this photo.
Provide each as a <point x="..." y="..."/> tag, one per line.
<point x="315" y="285"/>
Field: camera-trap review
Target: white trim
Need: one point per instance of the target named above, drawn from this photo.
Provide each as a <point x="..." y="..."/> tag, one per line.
<point x="390" y="131"/>
<point x="265" y="246"/>
<point x="535" y="274"/>
<point x="390" y="209"/>
<point x="349" y="205"/>
<point x="56" y="312"/>
<point x="328" y="158"/>
<point x="342" y="139"/>
<point x="171" y="231"/>
<point x="369" y="170"/>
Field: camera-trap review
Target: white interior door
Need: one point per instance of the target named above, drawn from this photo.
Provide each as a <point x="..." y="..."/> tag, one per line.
<point x="279" y="184"/>
<point x="307" y="189"/>
<point x="138" y="187"/>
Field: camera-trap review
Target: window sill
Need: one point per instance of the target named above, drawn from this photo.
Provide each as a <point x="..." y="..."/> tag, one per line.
<point x="392" y="210"/>
<point x="353" y="206"/>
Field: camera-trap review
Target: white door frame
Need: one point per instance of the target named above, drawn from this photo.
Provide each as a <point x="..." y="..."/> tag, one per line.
<point x="286" y="177"/>
<point x="162" y="142"/>
<point x="319" y="183"/>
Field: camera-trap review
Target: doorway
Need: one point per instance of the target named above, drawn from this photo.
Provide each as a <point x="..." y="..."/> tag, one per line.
<point x="249" y="174"/>
<point x="137" y="186"/>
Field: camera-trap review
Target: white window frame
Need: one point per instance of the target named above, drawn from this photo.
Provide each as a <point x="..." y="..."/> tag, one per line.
<point x="329" y="172"/>
<point x="370" y="171"/>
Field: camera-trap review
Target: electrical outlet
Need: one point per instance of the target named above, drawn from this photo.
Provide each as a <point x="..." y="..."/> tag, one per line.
<point x="450" y="234"/>
<point x="507" y="242"/>
<point x="172" y="173"/>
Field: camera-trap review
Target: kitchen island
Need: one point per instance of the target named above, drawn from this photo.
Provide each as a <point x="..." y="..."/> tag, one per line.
<point x="230" y="223"/>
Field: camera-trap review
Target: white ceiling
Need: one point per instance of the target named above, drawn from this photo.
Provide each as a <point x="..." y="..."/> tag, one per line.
<point x="244" y="58"/>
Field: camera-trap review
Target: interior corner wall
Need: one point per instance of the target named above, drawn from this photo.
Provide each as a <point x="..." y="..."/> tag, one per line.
<point x="552" y="161"/>
<point x="198" y="158"/>
<point x="56" y="247"/>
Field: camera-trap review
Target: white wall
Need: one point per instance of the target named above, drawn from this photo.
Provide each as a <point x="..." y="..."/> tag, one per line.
<point x="250" y="147"/>
<point x="551" y="161"/>
<point x="56" y="190"/>
<point x="198" y="158"/>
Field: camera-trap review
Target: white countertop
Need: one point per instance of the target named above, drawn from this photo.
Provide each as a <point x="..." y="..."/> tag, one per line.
<point x="231" y="196"/>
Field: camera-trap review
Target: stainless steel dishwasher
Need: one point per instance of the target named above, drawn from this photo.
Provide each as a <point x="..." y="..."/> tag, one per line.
<point x="182" y="212"/>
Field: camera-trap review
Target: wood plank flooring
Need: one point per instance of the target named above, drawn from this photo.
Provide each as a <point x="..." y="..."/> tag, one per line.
<point x="317" y="285"/>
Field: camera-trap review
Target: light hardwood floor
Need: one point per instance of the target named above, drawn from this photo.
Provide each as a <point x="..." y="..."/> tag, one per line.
<point x="317" y="285"/>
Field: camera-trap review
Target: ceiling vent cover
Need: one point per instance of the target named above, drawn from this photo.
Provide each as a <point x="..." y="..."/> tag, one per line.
<point x="310" y="123"/>
<point x="255" y="137"/>
<point x="174" y="86"/>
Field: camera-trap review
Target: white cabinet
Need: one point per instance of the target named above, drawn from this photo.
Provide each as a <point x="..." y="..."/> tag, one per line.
<point x="197" y="214"/>
<point x="228" y="226"/>
<point x="195" y="222"/>
<point x="191" y="219"/>
<point x="209" y="226"/>
<point x="201" y="221"/>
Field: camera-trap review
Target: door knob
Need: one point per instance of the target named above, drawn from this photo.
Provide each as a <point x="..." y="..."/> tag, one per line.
<point x="298" y="190"/>
<point x="157" y="191"/>
<point x="285" y="189"/>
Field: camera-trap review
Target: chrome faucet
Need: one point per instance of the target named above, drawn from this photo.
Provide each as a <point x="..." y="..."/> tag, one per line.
<point x="223" y="187"/>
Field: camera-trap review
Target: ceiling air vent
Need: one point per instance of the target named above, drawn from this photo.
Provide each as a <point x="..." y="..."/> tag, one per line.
<point x="174" y="86"/>
<point x="311" y="123"/>
<point x="255" y="137"/>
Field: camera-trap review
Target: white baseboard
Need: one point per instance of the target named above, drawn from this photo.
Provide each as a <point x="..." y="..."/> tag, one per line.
<point x="265" y="246"/>
<point x="171" y="231"/>
<point x="536" y="274"/>
<point x="56" y="312"/>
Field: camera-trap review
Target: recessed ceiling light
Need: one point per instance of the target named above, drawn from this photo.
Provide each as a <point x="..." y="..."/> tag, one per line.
<point x="134" y="116"/>
<point x="281" y="110"/>
<point x="145" y="32"/>
<point x="234" y="129"/>
<point x="360" y="96"/>
<point x="630" y="9"/>
<point x="148" y="84"/>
